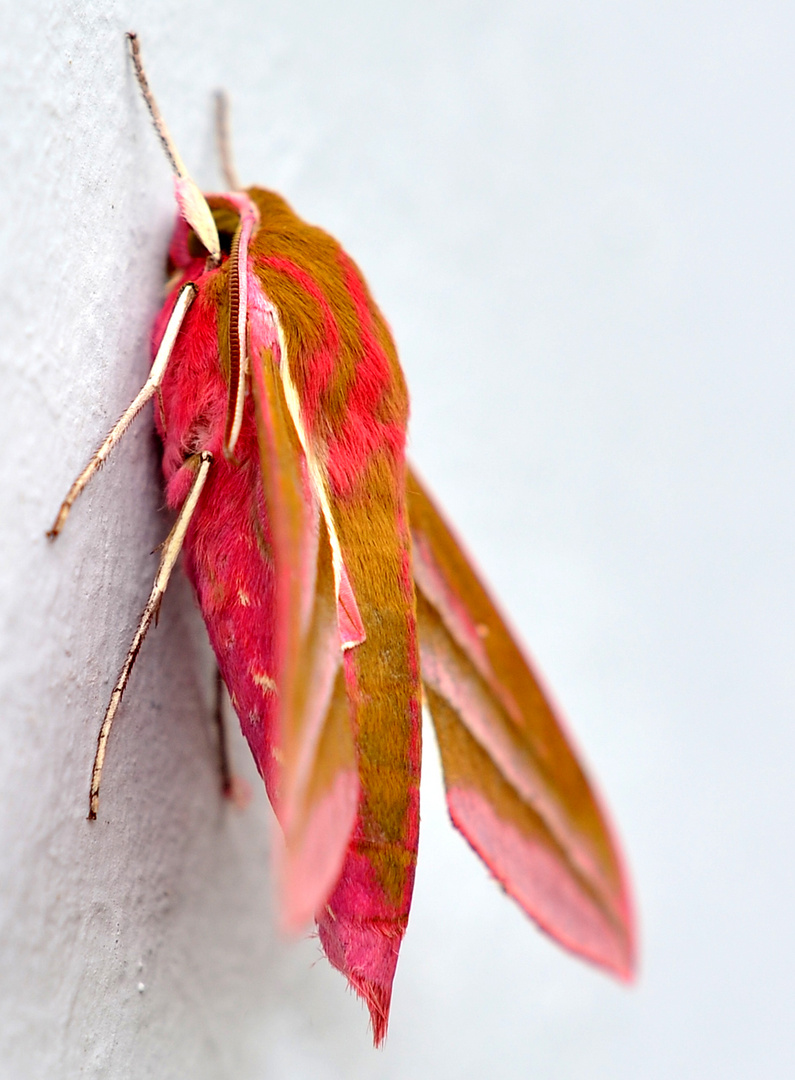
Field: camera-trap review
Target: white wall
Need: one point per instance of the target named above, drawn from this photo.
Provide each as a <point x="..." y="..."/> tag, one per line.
<point x="579" y="220"/>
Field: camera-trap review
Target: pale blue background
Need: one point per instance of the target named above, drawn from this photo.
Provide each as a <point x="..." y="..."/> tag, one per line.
<point x="579" y="221"/>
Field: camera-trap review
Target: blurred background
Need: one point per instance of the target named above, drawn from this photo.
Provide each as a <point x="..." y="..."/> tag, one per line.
<point x="578" y="220"/>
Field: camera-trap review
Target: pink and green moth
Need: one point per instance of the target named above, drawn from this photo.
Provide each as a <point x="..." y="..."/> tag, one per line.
<point x="338" y="600"/>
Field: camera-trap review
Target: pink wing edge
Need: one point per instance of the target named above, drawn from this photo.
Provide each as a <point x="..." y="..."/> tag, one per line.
<point x="564" y="891"/>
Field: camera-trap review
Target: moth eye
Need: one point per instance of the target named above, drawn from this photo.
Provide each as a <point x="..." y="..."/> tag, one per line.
<point x="226" y="239"/>
<point x="197" y="250"/>
<point x="226" y="218"/>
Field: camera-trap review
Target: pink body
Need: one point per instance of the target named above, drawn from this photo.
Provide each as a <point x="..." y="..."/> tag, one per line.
<point x="232" y="556"/>
<point x="223" y="556"/>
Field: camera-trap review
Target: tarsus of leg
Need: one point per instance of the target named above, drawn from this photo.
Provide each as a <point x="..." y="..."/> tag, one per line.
<point x="170" y="553"/>
<point x="150" y="387"/>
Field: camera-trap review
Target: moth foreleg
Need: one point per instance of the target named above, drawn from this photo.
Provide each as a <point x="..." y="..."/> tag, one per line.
<point x="150" y="387"/>
<point x="170" y="552"/>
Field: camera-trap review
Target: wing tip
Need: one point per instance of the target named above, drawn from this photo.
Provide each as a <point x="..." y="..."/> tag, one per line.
<point x="366" y="953"/>
<point x="378" y="999"/>
<point x="618" y="958"/>
<point x="597" y="925"/>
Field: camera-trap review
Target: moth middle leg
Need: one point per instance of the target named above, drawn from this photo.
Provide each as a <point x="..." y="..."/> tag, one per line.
<point x="170" y="552"/>
<point x="233" y="787"/>
<point x="220" y="734"/>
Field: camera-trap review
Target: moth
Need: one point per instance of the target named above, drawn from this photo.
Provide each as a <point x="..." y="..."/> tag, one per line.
<point x="338" y="600"/>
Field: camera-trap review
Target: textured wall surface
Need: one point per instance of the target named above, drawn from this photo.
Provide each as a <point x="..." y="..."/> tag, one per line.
<point x="579" y="221"/>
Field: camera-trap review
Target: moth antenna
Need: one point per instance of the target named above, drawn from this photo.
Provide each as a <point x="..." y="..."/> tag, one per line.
<point x="173" y="155"/>
<point x="171" y="550"/>
<point x="191" y="201"/>
<point x="150" y="387"/>
<point x="224" y="141"/>
<point x="238" y="321"/>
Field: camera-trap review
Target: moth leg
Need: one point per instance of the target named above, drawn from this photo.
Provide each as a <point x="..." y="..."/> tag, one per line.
<point x="233" y="787"/>
<point x="150" y="387"/>
<point x="224" y="141"/>
<point x="170" y="551"/>
<point x="223" y="748"/>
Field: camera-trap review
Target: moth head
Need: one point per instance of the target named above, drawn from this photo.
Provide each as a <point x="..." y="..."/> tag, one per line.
<point x="186" y="248"/>
<point x="226" y="218"/>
